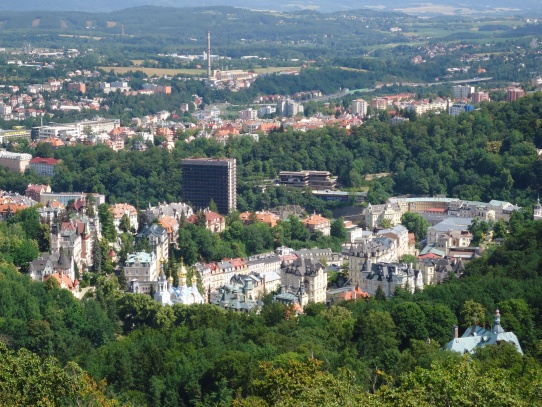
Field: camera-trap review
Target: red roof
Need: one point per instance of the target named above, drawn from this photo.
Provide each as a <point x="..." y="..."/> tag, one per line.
<point x="39" y="160"/>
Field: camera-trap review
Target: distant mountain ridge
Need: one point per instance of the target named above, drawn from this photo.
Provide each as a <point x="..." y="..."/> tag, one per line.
<point x="281" y="5"/>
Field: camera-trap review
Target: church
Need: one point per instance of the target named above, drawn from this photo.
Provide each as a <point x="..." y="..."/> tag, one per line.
<point x="166" y="294"/>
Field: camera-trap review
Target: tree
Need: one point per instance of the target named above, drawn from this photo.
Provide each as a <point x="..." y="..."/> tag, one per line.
<point x="499" y="229"/>
<point x="97" y="257"/>
<point x="338" y="229"/>
<point x="26" y="379"/>
<point x="472" y="313"/>
<point x="415" y="223"/>
<point x="386" y="223"/>
<point x="90" y="205"/>
<point x="212" y="206"/>
<point x="124" y="224"/>
<point x="109" y="231"/>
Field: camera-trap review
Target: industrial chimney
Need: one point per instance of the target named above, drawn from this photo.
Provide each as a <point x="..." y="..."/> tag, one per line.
<point x="209" y="55"/>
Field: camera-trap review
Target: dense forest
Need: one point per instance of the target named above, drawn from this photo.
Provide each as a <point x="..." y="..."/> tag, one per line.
<point x="379" y="352"/>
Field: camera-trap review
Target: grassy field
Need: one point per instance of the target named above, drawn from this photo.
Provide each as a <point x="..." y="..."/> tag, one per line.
<point x="275" y="69"/>
<point x="154" y="71"/>
<point x="345" y="68"/>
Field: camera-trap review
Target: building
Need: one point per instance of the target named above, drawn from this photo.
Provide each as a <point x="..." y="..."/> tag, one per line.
<point x="320" y="180"/>
<point x="375" y="214"/>
<point x="448" y="227"/>
<point x="175" y="209"/>
<point x="306" y="277"/>
<point x="44" y="166"/>
<point x="238" y="296"/>
<point x="389" y="277"/>
<point x="213" y="221"/>
<point x="34" y="191"/>
<point x="479" y="336"/>
<point x="265" y="217"/>
<point x="248" y="114"/>
<point x="210" y="178"/>
<point x="462" y="91"/>
<point x="399" y="233"/>
<point x="15" y="162"/>
<point x="537" y="213"/>
<point x="379" y="103"/>
<point x="166" y="294"/>
<point x="77" y="87"/>
<point x="75" y="238"/>
<point x="359" y="107"/>
<point x="65" y="197"/>
<point x="64" y="281"/>
<point x="121" y="209"/>
<point x="289" y="108"/>
<point x="15" y="133"/>
<point x="376" y="249"/>
<point x="140" y="270"/>
<point x="457" y="108"/>
<point x="158" y="239"/>
<point x="48" y="264"/>
<point x="514" y="93"/>
<point x="478" y="97"/>
<point x="316" y="223"/>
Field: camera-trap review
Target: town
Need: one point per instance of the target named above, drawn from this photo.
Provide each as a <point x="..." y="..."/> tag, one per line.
<point x="222" y="206"/>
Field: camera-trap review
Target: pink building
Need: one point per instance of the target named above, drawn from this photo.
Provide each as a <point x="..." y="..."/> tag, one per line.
<point x="478" y="97"/>
<point x="513" y="94"/>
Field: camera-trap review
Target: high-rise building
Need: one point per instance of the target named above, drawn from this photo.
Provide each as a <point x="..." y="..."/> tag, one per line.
<point x="478" y="97"/>
<point x="462" y="92"/>
<point x="359" y="107"/>
<point x="513" y="93"/>
<point x="210" y="178"/>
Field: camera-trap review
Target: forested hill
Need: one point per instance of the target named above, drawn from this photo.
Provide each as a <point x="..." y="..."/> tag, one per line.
<point x="369" y="352"/>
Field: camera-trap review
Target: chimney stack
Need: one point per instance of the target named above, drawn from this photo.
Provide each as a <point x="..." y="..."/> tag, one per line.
<point x="455" y="332"/>
<point x="209" y="55"/>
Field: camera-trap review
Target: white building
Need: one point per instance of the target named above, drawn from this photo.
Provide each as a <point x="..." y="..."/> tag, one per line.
<point x="359" y="107"/>
<point x="140" y="270"/>
<point x="308" y="275"/>
<point x="44" y="166"/>
<point x="121" y="209"/>
<point x="462" y="92"/>
<point x="16" y="162"/>
<point x="375" y="214"/>
<point x="166" y="294"/>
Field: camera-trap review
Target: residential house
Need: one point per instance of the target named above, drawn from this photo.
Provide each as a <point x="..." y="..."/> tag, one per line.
<point x="158" y="239"/>
<point x="317" y="223"/>
<point x="214" y="222"/>
<point x="121" y="209"/>
<point x="48" y="264"/>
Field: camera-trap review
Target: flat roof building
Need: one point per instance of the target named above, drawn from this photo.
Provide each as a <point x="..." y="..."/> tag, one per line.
<point x="210" y="178"/>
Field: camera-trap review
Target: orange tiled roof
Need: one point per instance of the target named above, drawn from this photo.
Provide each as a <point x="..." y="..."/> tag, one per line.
<point x="119" y="209"/>
<point x="315" y="220"/>
<point x="168" y="223"/>
<point x="63" y="280"/>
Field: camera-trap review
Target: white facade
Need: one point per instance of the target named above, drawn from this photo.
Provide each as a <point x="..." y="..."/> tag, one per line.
<point x="141" y="270"/>
<point x="359" y="107"/>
